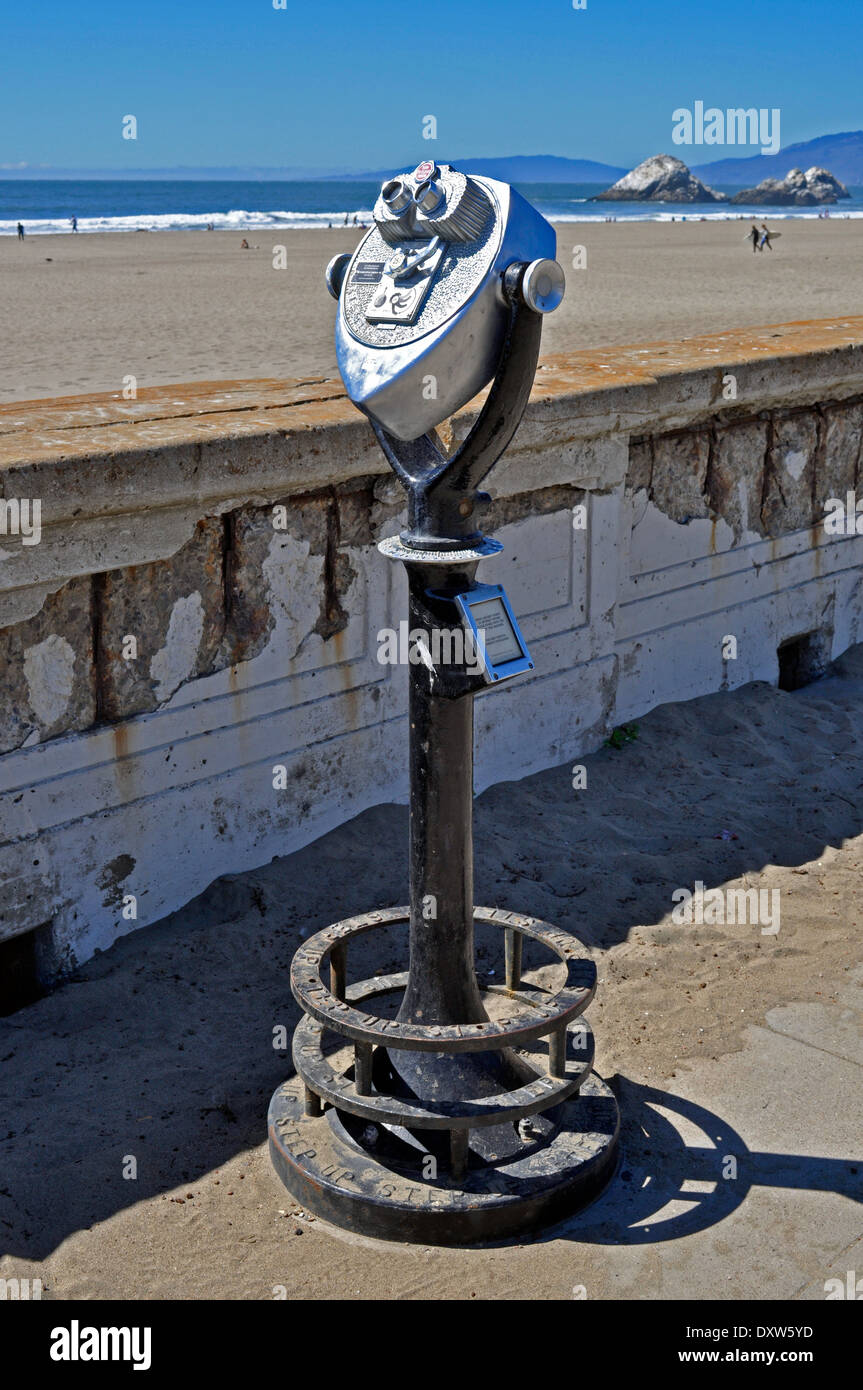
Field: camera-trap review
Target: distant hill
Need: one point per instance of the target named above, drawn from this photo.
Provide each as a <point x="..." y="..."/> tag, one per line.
<point x="231" y="173"/>
<point x="524" y="168"/>
<point x="841" y="154"/>
<point x="521" y="168"/>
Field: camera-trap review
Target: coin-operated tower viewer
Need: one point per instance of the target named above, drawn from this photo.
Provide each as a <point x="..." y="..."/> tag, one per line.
<point x="426" y="1107"/>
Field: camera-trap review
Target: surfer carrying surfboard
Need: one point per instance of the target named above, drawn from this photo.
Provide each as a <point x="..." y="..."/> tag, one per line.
<point x="766" y="237"/>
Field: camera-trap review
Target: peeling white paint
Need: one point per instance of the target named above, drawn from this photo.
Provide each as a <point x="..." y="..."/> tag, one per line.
<point x="49" y="669"/>
<point x="795" y="461"/>
<point x="640" y="503"/>
<point x="294" y="586"/>
<point x="175" y="663"/>
<point x="617" y="621"/>
<point x="624" y="615"/>
<point x="658" y="541"/>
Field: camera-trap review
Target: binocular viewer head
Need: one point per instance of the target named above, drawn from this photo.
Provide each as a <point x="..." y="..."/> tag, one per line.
<point x="432" y="202"/>
<point x="426" y="300"/>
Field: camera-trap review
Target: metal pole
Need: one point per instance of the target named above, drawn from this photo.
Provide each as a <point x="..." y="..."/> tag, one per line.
<point x="442" y="985"/>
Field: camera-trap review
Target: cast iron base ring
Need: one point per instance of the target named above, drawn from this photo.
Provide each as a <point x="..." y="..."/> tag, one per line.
<point x="371" y="1161"/>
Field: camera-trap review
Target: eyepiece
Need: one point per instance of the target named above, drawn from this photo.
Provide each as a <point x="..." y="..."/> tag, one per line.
<point x="396" y="195"/>
<point x="429" y="195"/>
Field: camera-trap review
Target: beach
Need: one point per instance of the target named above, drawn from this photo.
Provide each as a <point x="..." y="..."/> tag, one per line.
<point x="82" y="313"/>
<point x="138" y="1088"/>
<point x="721" y="1040"/>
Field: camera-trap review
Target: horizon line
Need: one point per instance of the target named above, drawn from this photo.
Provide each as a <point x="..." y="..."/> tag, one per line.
<point x="24" y="168"/>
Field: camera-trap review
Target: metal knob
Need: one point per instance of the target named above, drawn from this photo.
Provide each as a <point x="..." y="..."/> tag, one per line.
<point x="335" y="272"/>
<point x="543" y="286"/>
<point x="401" y="265"/>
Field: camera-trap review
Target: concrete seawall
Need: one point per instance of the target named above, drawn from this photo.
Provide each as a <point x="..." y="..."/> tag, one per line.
<point x="189" y="682"/>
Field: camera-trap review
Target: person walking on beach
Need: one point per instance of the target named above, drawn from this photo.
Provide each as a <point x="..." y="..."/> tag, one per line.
<point x="20" y="231"/>
<point x="74" y="222"/>
<point x="755" y="237"/>
<point x="765" y="237"/>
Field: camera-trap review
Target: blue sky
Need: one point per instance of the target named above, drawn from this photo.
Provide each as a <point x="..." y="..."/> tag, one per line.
<point x="346" y="84"/>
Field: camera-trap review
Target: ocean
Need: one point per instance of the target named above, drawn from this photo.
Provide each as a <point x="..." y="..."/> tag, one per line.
<point x="128" y="205"/>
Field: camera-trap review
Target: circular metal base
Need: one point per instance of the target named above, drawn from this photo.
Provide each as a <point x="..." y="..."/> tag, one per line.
<point x="379" y="1181"/>
<point x="395" y="549"/>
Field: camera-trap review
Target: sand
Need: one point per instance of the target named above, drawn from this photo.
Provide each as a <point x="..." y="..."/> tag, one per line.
<point x="162" y="1048"/>
<point x="80" y="313"/>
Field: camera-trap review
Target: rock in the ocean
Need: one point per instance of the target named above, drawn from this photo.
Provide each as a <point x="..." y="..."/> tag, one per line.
<point x="796" y="190"/>
<point x="660" y="179"/>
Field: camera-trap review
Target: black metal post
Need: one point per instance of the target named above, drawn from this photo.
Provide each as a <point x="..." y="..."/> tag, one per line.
<point x="442" y="984"/>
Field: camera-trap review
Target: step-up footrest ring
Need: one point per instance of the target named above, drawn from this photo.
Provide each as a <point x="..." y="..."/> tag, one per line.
<point x="320" y="1150"/>
<point x="545" y="1014"/>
